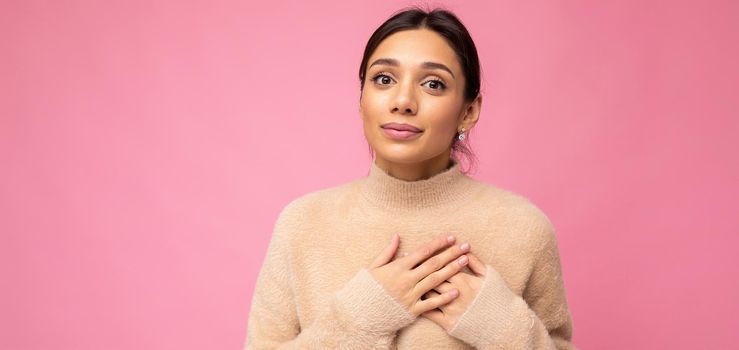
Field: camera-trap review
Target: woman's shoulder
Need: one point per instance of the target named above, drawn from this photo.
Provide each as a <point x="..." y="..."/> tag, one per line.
<point x="515" y="210"/>
<point x="319" y="200"/>
<point x="505" y="198"/>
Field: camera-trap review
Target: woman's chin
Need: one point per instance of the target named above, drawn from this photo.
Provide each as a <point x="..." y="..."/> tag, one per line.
<point x="401" y="155"/>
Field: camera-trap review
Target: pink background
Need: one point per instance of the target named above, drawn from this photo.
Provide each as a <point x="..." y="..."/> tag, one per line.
<point x="146" y="148"/>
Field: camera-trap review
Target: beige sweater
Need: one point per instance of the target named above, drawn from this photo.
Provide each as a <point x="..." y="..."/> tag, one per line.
<point x="314" y="291"/>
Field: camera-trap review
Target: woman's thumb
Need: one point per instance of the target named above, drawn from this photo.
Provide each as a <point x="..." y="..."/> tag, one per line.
<point x="388" y="253"/>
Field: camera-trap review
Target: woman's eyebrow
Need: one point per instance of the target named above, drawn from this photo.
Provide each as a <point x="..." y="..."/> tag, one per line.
<point x="426" y="65"/>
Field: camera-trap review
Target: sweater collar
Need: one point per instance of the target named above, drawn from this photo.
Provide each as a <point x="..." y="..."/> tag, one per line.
<point x="444" y="188"/>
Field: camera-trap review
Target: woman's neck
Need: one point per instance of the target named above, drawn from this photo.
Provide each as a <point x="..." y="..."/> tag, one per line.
<point x="446" y="189"/>
<point x="415" y="171"/>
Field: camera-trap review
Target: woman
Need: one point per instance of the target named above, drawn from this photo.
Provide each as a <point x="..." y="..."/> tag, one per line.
<point x="468" y="265"/>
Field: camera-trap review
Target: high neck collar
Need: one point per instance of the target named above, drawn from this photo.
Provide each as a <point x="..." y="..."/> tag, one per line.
<point x="444" y="188"/>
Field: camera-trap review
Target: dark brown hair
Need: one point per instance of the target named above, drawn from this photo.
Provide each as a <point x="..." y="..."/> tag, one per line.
<point x="446" y="24"/>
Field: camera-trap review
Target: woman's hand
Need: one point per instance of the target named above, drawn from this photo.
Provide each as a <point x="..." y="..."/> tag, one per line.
<point x="410" y="277"/>
<point x="468" y="285"/>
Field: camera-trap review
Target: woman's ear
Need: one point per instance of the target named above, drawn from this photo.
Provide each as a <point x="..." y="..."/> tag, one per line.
<point x="359" y="108"/>
<point x="471" y="113"/>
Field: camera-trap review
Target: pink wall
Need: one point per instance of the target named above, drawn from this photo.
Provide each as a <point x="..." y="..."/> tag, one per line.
<point x="146" y="149"/>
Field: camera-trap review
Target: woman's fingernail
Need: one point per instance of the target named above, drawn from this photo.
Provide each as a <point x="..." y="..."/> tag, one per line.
<point x="462" y="260"/>
<point x="450" y="239"/>
<point x="454" y="292"/>
<point x="465" y="247"/>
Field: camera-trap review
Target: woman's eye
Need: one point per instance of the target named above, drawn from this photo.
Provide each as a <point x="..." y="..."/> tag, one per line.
<point x="384" y="79"/>
<point x="436" y="84"/>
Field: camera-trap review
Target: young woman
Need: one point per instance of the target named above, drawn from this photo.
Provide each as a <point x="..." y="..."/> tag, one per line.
<point x="417" y="255"/>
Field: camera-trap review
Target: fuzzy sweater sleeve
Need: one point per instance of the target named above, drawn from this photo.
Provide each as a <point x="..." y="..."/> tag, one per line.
<point x="500" y="319"/>
<point x="360" y="315"/>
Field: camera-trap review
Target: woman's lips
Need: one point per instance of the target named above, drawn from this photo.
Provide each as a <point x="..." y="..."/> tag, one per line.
<point x="401" y="134"/>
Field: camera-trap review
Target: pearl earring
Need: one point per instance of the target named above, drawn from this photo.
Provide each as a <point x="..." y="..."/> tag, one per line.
<point x="461" y="135"/>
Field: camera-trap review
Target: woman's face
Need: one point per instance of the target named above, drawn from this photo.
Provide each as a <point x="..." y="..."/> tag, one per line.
<point x="414" y="78"/>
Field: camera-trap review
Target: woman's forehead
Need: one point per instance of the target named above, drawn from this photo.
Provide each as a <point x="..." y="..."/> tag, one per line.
<point x="416" y="49"/>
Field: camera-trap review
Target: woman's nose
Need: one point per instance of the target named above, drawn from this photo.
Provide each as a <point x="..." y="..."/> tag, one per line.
<point x="405" y="99"/>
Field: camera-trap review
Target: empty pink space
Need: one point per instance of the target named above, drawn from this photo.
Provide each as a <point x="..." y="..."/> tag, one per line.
<point x="146" y="148"/>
